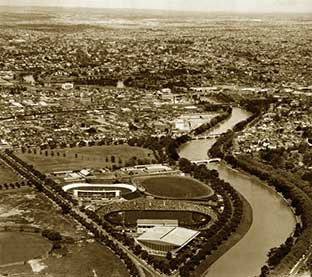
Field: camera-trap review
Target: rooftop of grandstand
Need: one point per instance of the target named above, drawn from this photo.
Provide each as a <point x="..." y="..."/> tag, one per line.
<point x="172" y="222"/>
<point x="177" y="236"/>
<point x="108" y="186"/>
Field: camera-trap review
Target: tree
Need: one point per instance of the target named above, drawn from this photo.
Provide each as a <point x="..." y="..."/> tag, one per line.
<point x="307" y="176"/>
<point x="169" y="255"/>
<point x="51" y="235"/>
<point x="264" y="271"/>
<point x="65" y="209"/>
<point x="144" y="255"/>
<point x="137" y="249"/>
<point x="82" y="143"/>
<point x="113" y="159"/>
<point x="56" y="245"/>
<point x="185" y="165"/>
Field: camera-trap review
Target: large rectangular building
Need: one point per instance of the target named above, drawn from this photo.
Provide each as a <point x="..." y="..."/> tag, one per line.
<point x="161" y="240"/>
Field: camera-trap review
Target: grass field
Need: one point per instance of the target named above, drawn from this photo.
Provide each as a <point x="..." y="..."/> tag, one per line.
<point x="29" y="207"/>
<point x="7" y="175"/>
<point x="17" y="246"/>
<point x="87" y="260"/>
<point x="83" y="260"/>
<point x="175" y="187"/>
<point x="185" y="218"/>
<point x="85" y="157"/>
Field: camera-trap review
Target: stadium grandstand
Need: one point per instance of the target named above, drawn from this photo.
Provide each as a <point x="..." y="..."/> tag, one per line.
<point x="98" y="192"/>
<point x="160" y="240"/>
<point x="144" y="225"/>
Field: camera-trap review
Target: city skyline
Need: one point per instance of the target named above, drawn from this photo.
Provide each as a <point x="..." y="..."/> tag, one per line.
<point x="183" y="5"/>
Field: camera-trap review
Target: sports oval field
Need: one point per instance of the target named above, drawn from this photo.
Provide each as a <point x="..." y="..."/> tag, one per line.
<point x="175" y="187"/>
<point x="185" y="218"/>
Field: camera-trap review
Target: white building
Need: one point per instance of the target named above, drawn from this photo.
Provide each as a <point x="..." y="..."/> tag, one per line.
<point x="161" y="240"/>
<point x="147" y="168"/>
<point x="67" y="86"/>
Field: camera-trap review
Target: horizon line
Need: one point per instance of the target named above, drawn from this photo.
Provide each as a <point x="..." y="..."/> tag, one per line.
<point x="160" y="10"/>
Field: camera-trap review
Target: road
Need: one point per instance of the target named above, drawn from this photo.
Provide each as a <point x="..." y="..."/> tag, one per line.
<point x="298" y="266"/>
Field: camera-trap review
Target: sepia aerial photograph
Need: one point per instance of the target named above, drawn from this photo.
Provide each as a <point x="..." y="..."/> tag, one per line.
<point x="155" y="138"/>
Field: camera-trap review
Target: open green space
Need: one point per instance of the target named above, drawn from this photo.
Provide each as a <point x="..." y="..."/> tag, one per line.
<point x="19" y="247"/>
<point x="88" y="259"/>
<point x="85" y="157"/>
<point x="175" y="187"/>
<point x="7" y="175"/>
<point x="185" y="218"/>
<point x="28" y="207"/>
<point x="82" y="260"/>
<point x="25" y="206"/>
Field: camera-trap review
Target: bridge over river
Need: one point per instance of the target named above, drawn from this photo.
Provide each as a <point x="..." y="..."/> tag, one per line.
<point x="206" y="136"/>
<point x="199" y="162"/>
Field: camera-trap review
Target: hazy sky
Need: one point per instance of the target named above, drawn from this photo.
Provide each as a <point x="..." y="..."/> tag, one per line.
<point x="197" y="5"/>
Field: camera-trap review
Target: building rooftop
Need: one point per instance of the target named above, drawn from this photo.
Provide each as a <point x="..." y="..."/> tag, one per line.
<point x="171" y="235"/>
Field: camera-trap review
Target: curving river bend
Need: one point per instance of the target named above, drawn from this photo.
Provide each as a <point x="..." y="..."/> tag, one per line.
<point x="273" y="220"/>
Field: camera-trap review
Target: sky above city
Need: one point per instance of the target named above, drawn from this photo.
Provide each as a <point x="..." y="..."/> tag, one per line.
<point x="185" y="5"/>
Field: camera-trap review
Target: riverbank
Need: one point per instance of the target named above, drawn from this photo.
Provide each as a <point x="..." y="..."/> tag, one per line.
<point x="272" y="189"/>
<point x="240" y="232"/>
<point x="291" y="188"/>
<point x="246" y="257"/>
<point x="213" y="123"/>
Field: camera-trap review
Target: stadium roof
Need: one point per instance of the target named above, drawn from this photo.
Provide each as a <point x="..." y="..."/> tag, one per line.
<point x="177" y="236"/>
<point x="174" y="222"/>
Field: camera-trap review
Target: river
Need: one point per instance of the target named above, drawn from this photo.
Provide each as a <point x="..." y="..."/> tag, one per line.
<point x="272" y="223"/>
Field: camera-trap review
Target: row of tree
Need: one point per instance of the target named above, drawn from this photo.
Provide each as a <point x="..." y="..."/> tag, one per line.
<point x="213" y="122"/>
<point x="15" y="185"/>
<point x="65" y="201"/>
<point x="227" y="222"/>
<point x="225" y="141"/>
<point x="293" y="188"/>
<point x="164" y="148"/>
<point x="212" y="107"/>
